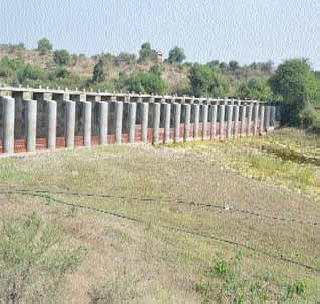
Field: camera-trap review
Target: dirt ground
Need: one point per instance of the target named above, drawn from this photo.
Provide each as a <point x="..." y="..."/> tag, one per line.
<point x="160" y="216"/>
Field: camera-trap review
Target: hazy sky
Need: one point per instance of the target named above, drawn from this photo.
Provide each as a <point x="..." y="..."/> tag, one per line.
<point x="244" y="30"/>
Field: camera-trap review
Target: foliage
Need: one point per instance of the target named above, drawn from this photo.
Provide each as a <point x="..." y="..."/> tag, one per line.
<point x="176" y="55"/>
<point x="233" y="65"/>
<point x="145" y="52"/>
<point x="33" y="260"/>
<point x="205" y="82"/>
<point x="149" y="82"/>
<point x="126" y="58"/>
<point x="98" y="73"/>
<point x="225" y="283"/>
<point x="29" y="72"/>
<point x="256" y="88"/>
<point x="297" y="85"/>
<point x="61" y="57"/>
<point x="309" y="117"/>
<point x="44" y="46"/>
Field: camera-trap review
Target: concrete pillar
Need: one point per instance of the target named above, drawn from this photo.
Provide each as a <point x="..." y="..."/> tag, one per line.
<point x="272" y="116"/>
<point x="243" y="120"/>
<point x="204" y="121"/>
<point x="31" y="125"/>
<point x="262" y="111"/>
<point x="278" y="116"/>
<point x="167" y="113"/>
<point x="52" y="124"/>
<point x="156" y="123"/>
<point x="267" y="117"/>
<point x="132" y="121"/>
<point x="236" y="120"/>
<point x="196" y="120"/>
<point x="186" y="135"/>
<point x="119" y="116"/>
<point x="229" y="117"/>
<point x="8" y="124"/>
<point x="103" y="123"/>
<point x="144" y="124"/>
<point x="249" y="123"/>
<point x="177" y="117"/>
<point x="70" y="122"/>
<point x="213" y="120"/>
<point x="256" y="118"/>
<point x="222" y="115"/>
<point x="87" y="123"/>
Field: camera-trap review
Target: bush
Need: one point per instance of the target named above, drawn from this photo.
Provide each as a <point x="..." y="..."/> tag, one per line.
<point x="205" y="82"/>
<point x="176" y="55"/>
<point x="146" y="83"/>
<point x="29" y="72"/>
<point x="61" y="57"/>
<point x="44" y="46"/>
<point x="98" y="73"/>
<point x="309" y="117"/>
<point x="256" y="88"/>
<point x="294" y="82"/>
<point x="33" y="260"/>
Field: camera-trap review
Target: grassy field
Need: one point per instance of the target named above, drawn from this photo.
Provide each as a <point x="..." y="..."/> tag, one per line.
<point x="231" y="222"/>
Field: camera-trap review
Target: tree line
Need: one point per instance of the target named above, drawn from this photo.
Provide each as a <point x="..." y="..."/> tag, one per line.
<point x="292" y="83"/>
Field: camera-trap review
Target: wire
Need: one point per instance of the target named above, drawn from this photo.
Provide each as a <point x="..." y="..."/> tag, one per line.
<point x="178" y="229"/>
<point x="179" y="201"/>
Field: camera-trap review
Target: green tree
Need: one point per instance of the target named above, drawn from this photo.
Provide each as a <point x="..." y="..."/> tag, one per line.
<point x="176" y="55"/>
<point x="233" y="65"/>
<point x="257" y="88"/>
<point x="98" y="73"/>
<point x="205" y="82"/>
<point x="44" y="46"/>
<point x="297" y="86"/>
<point x="145" y="52"/>
<point x="150" y="82"/>
<point x="61" y="57"/>
<point x="29" y="72"/>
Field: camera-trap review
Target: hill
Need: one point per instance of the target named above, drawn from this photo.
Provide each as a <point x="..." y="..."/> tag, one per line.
<point x="39" y="68"/>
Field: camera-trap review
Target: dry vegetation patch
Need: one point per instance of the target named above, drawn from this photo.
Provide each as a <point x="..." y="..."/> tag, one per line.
<point x="175" y="224"/>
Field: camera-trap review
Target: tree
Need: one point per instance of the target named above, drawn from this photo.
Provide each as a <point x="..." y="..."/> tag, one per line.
<point x="150" y="82"/>
<point x="61" y="57"/>
<point x="233" y="65"/>
<point x="98" y="73"/>
<point x="257" y="88"/>
<point x="145" y="51"/>
<point x="176" y="55"/>
<point x="44" y="46"/>
<point x="297" y="86"/>
<point x="205" y="82"/>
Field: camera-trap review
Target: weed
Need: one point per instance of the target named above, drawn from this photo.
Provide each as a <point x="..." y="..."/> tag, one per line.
<point x="33" y="260"/>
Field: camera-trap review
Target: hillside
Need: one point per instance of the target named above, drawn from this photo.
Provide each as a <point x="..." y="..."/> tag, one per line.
<point x="118" y="71"/>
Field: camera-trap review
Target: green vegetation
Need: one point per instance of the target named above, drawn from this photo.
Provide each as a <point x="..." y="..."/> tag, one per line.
<point x="292" y="83"/>
<point x="34" y="260"/>
<point x="176" y="55"/>
<point x="299" y="91"/>
<point x="98" y="73"/>
<point x="205" y="82"/>
<point x="61" y="57"/>
<point x="44" y="46"/>
<point x="170" y="255"/>
<point x="145" y="52"/>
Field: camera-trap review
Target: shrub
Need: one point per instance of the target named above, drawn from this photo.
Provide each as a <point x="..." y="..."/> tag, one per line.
<point x="205" y="82"/>
<point x="176" y="55"/>
<point x="33" y="260"/>
<point x="61" y="57"/>
<point x="44" y="46"/>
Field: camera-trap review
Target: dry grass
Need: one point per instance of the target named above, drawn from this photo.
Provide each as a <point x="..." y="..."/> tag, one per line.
<point x="145" y="262"/>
